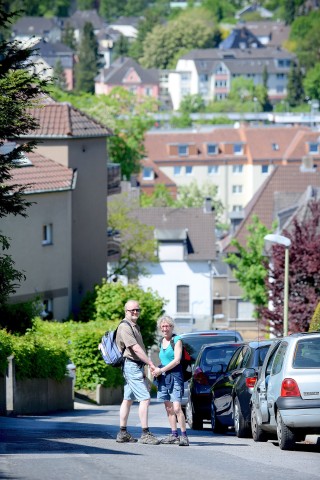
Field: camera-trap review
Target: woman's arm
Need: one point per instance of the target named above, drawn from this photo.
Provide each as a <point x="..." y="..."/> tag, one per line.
<point x="177" y="358"/>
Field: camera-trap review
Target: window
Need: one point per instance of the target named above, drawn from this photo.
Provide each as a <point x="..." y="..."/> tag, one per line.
<point x="213" y="169"/>
<point x="313" y="147"/>
<point x="275" y="147"/>
<point x="47" y="309"/>
<point x="147" y="173"/>
<point x="236" y="188"/>
<point x="148" y="91"/>
<point x="264" y="168"/>
<point x="176" y="171"/>
<point x="183" y="298"/>
<point x="237" y="208"/>
<point x="47" y="234"/>
<point x="183" y="150"/>
<point x="185" y="77"/>
<point x="245" y="310"/>
<point x="238" y="149"/>
<point x="189" y="170"/>
<point x="203" y="77"/>
<point x="237" y="168"/>
<point x="212" y="149"/>
<point x="217" y="307"/>
<point x="278" y="359"/>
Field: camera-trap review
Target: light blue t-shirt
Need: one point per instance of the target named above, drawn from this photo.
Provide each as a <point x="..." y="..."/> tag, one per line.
<point x="166" y="355"/>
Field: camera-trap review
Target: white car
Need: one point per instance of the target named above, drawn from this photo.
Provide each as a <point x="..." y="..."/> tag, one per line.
<point x="286" y="398"/>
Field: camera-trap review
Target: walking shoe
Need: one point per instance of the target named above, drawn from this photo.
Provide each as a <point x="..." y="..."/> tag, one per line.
<point x="125" y="437"/>
<point x="170" y="439"/>
<point x="184" y="441"/>
<point x="149" y="439"/>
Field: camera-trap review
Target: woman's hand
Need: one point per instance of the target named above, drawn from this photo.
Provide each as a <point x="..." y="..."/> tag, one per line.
<point x="156" y="372"/>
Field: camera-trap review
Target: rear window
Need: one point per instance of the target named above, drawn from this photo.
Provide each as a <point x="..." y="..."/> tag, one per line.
<point x="307" y="353"/>
<point x="216" y="355"/>
<point x="194" y="344"/>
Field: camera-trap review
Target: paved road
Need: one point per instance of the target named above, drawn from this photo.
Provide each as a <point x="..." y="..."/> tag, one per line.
<point x="80" y="445"/>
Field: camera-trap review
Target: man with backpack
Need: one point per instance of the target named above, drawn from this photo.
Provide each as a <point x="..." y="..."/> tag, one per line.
<point x="129" y="340"/>
<point x="170" y="381"/>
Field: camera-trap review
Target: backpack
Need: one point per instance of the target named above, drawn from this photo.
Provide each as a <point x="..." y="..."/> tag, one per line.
<point x="109" y="349"/>
<point x="185" y="362"/>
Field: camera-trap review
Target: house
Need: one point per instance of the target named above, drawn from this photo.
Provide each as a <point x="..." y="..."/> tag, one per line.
<point x="127" y="26"/>
<point x="269" y="33"/>
<point x="127" y="73"/>
<point x="254" y="7"/>
<point x="27" y="28"/>
<point x="47" y="55"/>
<point x="209" y="72"/>
<point x="236" y="160"/>
<point x="80" y="17"/>
<point x="186" y="252"/>
<point x="62" y="245"/>
<point x="279" y="198"/>
<point x="240" y="38"/>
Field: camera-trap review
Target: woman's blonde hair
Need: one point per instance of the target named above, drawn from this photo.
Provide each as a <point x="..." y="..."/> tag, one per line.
<point x="166" y="319"/>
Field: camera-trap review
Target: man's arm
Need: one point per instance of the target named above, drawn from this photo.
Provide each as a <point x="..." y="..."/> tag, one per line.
<point x="142" y="355"/>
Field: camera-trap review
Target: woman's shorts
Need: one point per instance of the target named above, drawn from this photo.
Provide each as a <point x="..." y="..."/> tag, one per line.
<point x="173" y="393"/>
<point x="135" y="387"/>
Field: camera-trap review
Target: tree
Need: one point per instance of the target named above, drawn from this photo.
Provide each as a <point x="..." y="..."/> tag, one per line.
<point x="249" y="266"/>
<point x="161" y="197"/>
<point x="312" y="83"/>
<point x="68" y="37"/>
<point x="121" y="48"/>
<point x="166" y="43"/>
<point x="137" y="243"/>
<point x="87" y="67"/>
<point x="151" y="18"/>
<point x="295" y="88"/>
<point x="59" y="75"/>
<point x="315" y="322"/>
<point x="19" y="90"/>
<point x="304" y="275"/>
<point x="112" y="9"/>
<point x="304" y="35"/>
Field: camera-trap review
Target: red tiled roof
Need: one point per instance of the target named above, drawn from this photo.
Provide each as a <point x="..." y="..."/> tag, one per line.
<point x="286" y="179"/>
<point x="42" y="175"/>
<point x="63" y="120"/>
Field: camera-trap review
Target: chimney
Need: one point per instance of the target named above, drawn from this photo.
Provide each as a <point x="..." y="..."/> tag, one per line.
<point x="207" y="207"/>
<point x="307" y="164"/>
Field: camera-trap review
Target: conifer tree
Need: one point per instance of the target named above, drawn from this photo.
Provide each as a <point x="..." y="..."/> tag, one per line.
<point x="295" y="88"/>
<point x="68" y="37"/>
<point x="59" y="75"/>
<point x="89" y="60"/>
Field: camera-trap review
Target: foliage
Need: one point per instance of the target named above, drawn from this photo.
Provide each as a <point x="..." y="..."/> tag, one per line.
<point x="192" y="104"/>
<point x="220" y="9"/>
<point x="295" y="90"/>
<point x="20" y="89"/>
<point x="121" y="48"/>
<point x="68" y="37"/>
<point x="146" y="24"/>
<point x="88" y="65"/>
<point x="5" y="349"/>
<point x="110" y="301"/>
<point x="160" y="197"/>
<point x="181" y="121"/>
<point x="18" y="317"/>
<point x="59" y="75"/>
<point x="193" y="195"/>
<point x="304" y="274"/>
<point x="249" y="266"/>
<point x="137" y="244"/>
<point x="165" y="43"/>
<point x="315" y="321"/>
<point x="304" y="32"/>
<point x="46" y="8"/>
<point x="312" y="82"/>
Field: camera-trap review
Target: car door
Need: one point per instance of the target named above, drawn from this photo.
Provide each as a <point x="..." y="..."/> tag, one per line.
<point x="222" y="389"/>
<point x="275" y="379"/>
<point x="259" y="397"/>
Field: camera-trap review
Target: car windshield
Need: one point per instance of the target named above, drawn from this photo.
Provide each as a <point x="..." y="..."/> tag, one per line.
<point x="216" y="355"/>
<point x="193" y="344"/>
<point x="307" y="354"/>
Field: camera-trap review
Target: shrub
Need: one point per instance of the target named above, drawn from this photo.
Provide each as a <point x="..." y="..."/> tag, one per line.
<point x="17" y="317"/>
<point x="315" y="321"/>
<point x="5" y="349"/>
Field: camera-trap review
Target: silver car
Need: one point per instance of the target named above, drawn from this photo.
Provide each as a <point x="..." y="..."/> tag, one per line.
<point x="286" y="398"/>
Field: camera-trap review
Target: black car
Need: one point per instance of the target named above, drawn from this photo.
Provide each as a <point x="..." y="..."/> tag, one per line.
<point x="210" y="364"/>
<point x="230" y="394"/>
<point x="193" y="342"/>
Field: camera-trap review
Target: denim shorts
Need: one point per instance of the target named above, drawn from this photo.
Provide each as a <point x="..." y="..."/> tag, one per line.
<point x="173" y="393"/>
<point x="135" y="387"/>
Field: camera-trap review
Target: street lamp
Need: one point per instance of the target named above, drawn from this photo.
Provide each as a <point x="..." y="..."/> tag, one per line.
<point x="286" y="242"/>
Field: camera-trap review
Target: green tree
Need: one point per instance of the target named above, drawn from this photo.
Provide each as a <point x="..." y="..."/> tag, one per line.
<point x="20" y="89"/>
<point x="59" y="75"/>
<point x="137" y="244"/>
<point x="68" y="37"/>
<point x="193" y="195"/>
<point x="306" y="39"/>
<point x="165" y="43"/>
<point x="121" y="47"/>
<point x="160" y="197"/>
<point x="87" y="67"/>
<point x="192" y="104"/>
<point x="151" y="18"/>
<point x="312" y="83"/>
<point x="295" y="88"/>
<point x="249" y="265"/>
<point x="112" y="9"/>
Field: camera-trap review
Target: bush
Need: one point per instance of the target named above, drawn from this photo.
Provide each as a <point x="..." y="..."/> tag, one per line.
<point x="5" y="349"/>
<point x="17" y="317"/>
<point x="315" y="321"/>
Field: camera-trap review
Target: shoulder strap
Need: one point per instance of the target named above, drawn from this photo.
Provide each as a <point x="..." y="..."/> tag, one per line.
<point x="128" y="323"/>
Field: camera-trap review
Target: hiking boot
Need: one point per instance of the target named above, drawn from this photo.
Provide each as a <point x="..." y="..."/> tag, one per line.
<point x="149" y="439"/>
<point x="184" y="441"/>
<point x="125" y="437"/>
<point x="170" y="439"/>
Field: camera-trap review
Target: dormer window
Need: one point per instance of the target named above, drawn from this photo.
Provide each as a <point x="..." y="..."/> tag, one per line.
<point x="148" y="173"/>
<point x="237" y="168"/>
<point x="275" y="146"/>
<point x="313" y="147"/>
<point x="212" y="149"/>
<point x="238" y="149"/>
<point x="183" y="150"/>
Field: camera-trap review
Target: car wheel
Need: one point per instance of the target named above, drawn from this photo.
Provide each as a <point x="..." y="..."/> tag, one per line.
<point x="241" y="426"/>
<point x="215" y="424"/>
<point x="194" y="421"/>
<point x="258" y="434"/>
<point x="286" y="437"/>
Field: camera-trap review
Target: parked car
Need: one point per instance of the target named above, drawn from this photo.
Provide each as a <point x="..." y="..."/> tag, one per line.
<point x="210" y="363"/>
<point x="286" y="398"/>
<point x="193" y="342"/>
<point x="230" y="395"/>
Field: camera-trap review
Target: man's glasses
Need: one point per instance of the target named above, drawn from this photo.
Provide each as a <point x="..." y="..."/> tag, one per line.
<point x="134" y="310"/>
